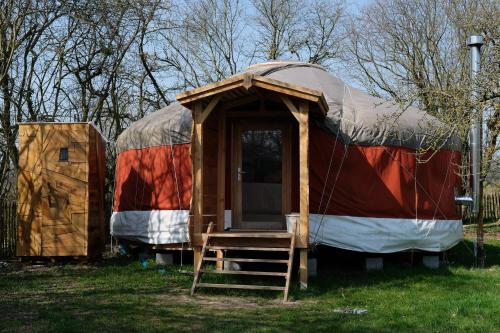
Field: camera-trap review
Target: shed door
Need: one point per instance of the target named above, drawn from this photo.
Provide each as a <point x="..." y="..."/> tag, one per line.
<point x="260" y="167"/>
<point x="64" y="192"/>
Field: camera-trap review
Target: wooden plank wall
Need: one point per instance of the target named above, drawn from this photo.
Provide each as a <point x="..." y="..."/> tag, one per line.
<point x="97" y="167"/>
<point x="210" y="164"/>
<point x="58" y="214"/>
<point x="29" y="189"/>
<point x="8" y="229"/>
<point x="64" y="202"/>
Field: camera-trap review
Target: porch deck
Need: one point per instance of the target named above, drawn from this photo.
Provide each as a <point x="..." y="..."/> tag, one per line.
<point x="247" y="241"/>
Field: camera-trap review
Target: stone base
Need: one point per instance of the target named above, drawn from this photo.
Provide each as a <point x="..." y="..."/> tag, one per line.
<point x="431" y="261"/>
<point x="376" y="263"/>
<point x="312" y="267"/>
<point x="231" y="266"/>
<point x="164" y="258"/>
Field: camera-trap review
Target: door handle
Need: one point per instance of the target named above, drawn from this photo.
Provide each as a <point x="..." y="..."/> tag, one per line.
<point x="240" y="172"/>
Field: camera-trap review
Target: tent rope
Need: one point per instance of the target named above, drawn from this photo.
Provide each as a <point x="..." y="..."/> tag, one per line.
<point x="112" y="196"/>
<point x="416" y="182"/>
<point x="415" y="178"/>
<point x="346" y="145"/>
<point x="174" y="168"/>
<point x="415" y="186"/>
<point x="328" y="171"/>
<point x="444" y="184"/>
<point x="176" y="186"/>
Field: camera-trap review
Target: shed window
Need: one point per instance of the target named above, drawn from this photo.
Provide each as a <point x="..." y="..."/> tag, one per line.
<point x="63" y="154"/>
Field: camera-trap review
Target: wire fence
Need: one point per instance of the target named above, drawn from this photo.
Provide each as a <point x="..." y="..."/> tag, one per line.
<point x="8" y="221"/>
<point x="491" y="208"/>
<point x="8" y="229"/>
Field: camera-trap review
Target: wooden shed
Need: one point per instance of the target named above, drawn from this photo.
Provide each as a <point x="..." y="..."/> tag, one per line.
<point x="60" y="190"/>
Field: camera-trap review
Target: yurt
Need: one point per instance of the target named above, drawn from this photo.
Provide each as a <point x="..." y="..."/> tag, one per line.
<point x="284" y="141"/>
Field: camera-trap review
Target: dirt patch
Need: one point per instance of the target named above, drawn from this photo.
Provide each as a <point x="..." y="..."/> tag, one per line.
<point x="221" y="302"/>
<point x="19" y="267"/>
<point x="491" y="231"/>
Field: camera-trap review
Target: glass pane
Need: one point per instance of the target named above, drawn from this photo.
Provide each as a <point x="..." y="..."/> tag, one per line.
<point x="261" y="175"/>
<point x="63" y="154"/>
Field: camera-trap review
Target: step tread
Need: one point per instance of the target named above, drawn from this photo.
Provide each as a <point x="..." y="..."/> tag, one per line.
<point x="249" y="248"/>
<point x="218" y="271"/>
<point x="271" y="261"/>
<point x="284" y="235"/>
<point x="238" y="286"/>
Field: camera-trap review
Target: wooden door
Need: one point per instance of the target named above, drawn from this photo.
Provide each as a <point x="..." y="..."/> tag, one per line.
<point x="261" y="174"/>
<point x="64" y="191"/>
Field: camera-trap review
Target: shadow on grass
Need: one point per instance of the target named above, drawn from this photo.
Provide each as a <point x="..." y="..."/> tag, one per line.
<point x="119" y="295"/>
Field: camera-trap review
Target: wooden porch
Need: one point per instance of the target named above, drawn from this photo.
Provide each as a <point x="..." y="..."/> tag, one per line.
<point x="249" y="243"/>
<point x="217" y="110"/>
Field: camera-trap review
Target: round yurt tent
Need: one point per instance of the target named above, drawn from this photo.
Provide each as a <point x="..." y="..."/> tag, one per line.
<point x="367" y="190"/>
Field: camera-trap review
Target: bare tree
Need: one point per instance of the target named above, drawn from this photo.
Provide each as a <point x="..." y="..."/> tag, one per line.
<point x="23" y="73"/>
<point x="320" y="40"/>
<point x="102" y="34"/>
<point x="415" y="53"/>
<point x="204" y="42"/>
<point x="277" y="24"/>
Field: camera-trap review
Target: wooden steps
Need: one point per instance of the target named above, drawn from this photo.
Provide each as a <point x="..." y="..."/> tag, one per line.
<point x="258" y="260"/>
<point x="239" y="286"/>
<point x="249" y="248"/>
<point x="213" y="240"/>
<point x="221" y="271"/>
<point x="251" y="234"/>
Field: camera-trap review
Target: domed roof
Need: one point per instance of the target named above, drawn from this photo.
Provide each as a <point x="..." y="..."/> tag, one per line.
<point x="354" y="116"/>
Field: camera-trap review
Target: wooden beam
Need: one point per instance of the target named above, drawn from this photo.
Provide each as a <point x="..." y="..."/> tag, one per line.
<point x="198" y="259"/>
<point x="289" y="104"/>
<point x="286" y="171"/>
<point x="304" y="187"/>
<point x="193" y="95"/>
<point x="221" y="171"/>
<point x="248" y="81"/>
<point x="213" y="103"/>
<point x="241" y="101"/>
<point x="303" y="269"/>
<point x="221" y="178"/>
<point x="288" y="89"/>
<point x="253" y="114"/>
<point x="197" y="158"/>
<point x="239" y="286"/>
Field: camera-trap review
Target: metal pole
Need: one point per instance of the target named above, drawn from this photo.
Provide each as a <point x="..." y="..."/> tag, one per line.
<point x="475" y="43"/>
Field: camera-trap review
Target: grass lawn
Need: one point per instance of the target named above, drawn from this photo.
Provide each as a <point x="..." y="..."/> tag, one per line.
<point x="118" y="295"/>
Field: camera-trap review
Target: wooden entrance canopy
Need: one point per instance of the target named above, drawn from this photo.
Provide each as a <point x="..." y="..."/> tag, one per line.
<point x="238" y="90"/>
<point x="244" y="85"/>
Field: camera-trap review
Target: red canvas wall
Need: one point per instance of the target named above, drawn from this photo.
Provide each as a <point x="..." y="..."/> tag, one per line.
<point x="375" y="181"/>
<point x="369" y="181"/>
<point x="145" y="178"/>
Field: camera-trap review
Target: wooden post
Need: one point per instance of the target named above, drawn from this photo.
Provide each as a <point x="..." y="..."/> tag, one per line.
<point x="197" y="158"/>
<point x="221" y="179"/>
<point x="221" y="171"/>
<point x="304" y="188"/>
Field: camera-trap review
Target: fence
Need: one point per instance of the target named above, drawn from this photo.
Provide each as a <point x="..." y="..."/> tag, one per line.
<point x="8" y="221"/>
<point x="8" y="229"/>
<point x="491" y="206"/>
